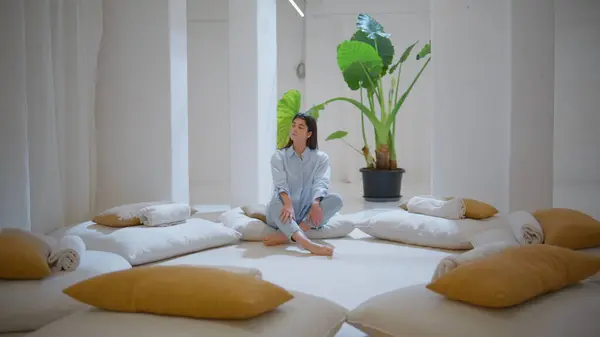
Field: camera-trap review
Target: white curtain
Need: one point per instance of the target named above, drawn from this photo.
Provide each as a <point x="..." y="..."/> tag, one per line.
<point x="47" y="91"/>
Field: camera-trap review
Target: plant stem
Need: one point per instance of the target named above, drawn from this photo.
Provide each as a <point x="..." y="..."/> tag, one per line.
<point x="362" y="121"/>
<point x="390" y="97"/>
<point x="393" y="141"/>
<point x="371" y="83"/>
<point x="379" y="89"/>
<point x="407" y="92"/>
<point x="372" y="106"/>
<point x="393" y="135"/>
<point x="381" y="100"/>
<point x="355" y="149"/>
<point x="365" y="153"/>
<point x="397" y="83"/>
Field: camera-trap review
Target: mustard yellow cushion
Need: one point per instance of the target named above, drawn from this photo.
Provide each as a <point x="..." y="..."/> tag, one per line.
<point x="568" y="228"/>
<point x="478" y="210"/>
<point x="516" y="275"/>
<point x="256" y="212"/>
<point x="182" y="290"/>
<point x="474" y="209"/>
<point x="23" y="256"/>
<point x="127" y="215"/>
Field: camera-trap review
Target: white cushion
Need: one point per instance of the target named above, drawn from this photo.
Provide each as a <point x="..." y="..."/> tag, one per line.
<point x="417" y="311"/>
<point x="416" y="229"/>
<point x="490" y="230"/>
<point x="29" y="305"/>
<point x="250" y="228"/>
<point x="338" y="226"/>
<point x="303" y="316"/>
<point x="141" y="244"/>
<point x="256" y="230"/>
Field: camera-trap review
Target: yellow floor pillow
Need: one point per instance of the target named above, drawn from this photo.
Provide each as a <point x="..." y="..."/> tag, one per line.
<point x="124" y="215"/>
<point x="23" y="256"/>
<point x="474" y="209"/>
<point x="478" y="210"/>
<point x="568" y="228"/>
<point x="516" y="275"/>
<point x="182" y="290"/>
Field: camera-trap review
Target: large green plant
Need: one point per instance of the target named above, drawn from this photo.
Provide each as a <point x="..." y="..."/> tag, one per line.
<point x="287" y="107"/>
<point x="365" y="61"/>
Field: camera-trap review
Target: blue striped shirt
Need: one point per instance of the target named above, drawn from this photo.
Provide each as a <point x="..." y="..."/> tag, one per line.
<point x="304" y="178"/>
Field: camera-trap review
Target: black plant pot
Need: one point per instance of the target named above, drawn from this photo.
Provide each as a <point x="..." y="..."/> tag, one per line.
<point x="382" y="185"/>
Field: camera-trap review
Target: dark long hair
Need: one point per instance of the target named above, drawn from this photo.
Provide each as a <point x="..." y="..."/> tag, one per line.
<point x="311" y="125"/>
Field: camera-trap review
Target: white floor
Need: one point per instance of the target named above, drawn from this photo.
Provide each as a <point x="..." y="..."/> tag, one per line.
<point x="351" y="194"/>
<point x="583" y="197"/>
<point x="353" y="202"/>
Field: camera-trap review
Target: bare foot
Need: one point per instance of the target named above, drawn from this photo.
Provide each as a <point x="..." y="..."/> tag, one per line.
<point x="275" y="239"/>
<point x="316" y="248"/>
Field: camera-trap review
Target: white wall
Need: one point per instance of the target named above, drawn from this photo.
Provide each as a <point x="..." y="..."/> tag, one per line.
<point x="252" y="99"/>
<point x="493" y="124"/>
<point x="290" y="46"/>
<point x="333" y="21"/>
<point x="135" y="74"/>
<point x="209" y="120"/>
<point x="577" y="106"/>
<point x="532" y="105"/>
<point x="576" y="158"/>
<point x="208" y="79"/>
<point x="472" y="88"/>
<point x="141" y="109"/>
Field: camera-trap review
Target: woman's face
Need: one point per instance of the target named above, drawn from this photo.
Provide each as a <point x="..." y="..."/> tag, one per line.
<point x="299" y="132"/>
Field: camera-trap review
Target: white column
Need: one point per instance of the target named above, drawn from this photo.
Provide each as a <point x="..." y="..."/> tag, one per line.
<point x="252" y="98"/>
<point x="180" y="178"/>
<point x="142" y="103"/>
<point x="532" y="111"/>
<point x="576" y="115"/>
<point x="493" y="101"/>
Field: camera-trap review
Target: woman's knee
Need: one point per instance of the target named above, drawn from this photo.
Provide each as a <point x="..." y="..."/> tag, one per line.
<point x="273" y="210"/>
<point x="274" y="204"/>
<point x="334" y="200"/>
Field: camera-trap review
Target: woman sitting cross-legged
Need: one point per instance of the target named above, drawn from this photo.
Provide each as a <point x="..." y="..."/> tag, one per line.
<point x="301" y="202"/>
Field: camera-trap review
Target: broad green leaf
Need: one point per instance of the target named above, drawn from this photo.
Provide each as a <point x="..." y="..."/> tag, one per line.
<point x="287" y="107"/>
<point x="370" y="26"/>
<point x="337" y="135"/>
<point x="360" y="64"/>
<point x="315" y="111"/>
<point x="426" y="50"/>
<point x="349" y="52"/>
<point x="358" y="76"/>
<point x="403" y="58"/>
<point x="382" y="45"/>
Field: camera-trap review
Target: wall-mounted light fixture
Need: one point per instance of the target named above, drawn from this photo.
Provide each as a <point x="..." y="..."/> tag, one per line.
<point x="297" y="8"/>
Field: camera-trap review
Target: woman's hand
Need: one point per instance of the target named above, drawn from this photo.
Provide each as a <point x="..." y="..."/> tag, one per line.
<point x="316" y="214"/>
<point x="287" y="213"/>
